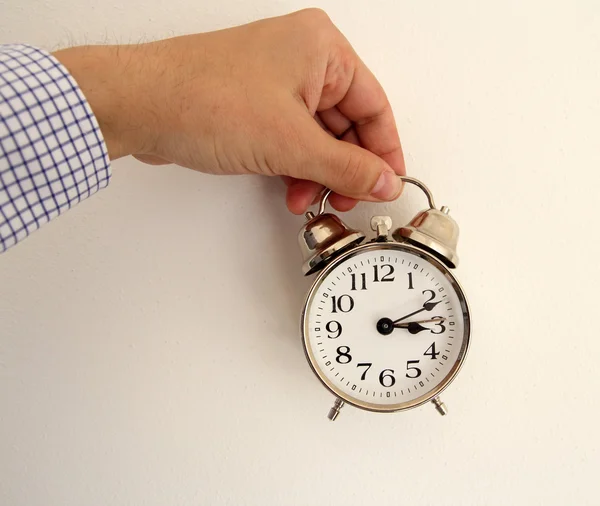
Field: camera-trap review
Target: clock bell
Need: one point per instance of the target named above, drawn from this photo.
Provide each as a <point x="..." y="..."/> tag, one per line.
<point x="324" y="235"/>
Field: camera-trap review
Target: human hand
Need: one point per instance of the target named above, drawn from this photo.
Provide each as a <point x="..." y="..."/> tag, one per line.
<point x="285" y="96"/>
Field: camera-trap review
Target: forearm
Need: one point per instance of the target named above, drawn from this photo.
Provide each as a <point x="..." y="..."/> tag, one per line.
<point x="285" y="96"/>
<point x="117" y="89"/>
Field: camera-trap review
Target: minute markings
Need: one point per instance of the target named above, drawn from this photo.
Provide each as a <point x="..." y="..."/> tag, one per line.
<point x="355" y="327"/>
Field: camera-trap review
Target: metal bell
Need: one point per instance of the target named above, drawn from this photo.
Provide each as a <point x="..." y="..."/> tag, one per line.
<point x="435" y="231"/>
<point x="323" y="237"/>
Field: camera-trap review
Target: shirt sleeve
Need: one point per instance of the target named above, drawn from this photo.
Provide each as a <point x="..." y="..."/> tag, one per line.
<point x="52" y="153"/>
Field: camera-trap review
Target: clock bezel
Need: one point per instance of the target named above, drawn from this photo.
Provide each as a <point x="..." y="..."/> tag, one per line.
<point x="443" y="384"/>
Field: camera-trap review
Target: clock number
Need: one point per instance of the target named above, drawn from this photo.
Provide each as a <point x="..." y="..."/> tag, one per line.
<point x="431" y="352"/>
<point x="364" y="374"/>
<point x="386" y="277"/>
<point x="334" y="327"/>
<point x="409" y="367"/>
<point x="364" y="281"/>
<point x="343" y="356"/>
<point x="386" y="378"/>
<point x="338" y="303"/>
<point x="410" y="281"/>
<point x="439" y="324"/>
<point x="432" y="295"/>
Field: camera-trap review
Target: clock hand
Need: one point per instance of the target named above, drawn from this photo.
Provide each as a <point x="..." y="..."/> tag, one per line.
<point x="406" y="324"/>
<point x="416" y="327"/>
<point x="386" y="326"/>
<point x="428" y="306"/>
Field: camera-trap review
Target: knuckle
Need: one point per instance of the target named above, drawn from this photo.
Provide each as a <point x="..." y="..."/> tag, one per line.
<point x="314" y="15"/>
<point x="314" y="31"/>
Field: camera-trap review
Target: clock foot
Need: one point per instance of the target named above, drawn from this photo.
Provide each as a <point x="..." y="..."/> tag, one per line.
<point x="440" y="406"/>
<point x="335" y="410"/>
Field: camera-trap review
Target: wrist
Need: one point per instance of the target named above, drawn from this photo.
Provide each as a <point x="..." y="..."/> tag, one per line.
<point x="111" y="81"/>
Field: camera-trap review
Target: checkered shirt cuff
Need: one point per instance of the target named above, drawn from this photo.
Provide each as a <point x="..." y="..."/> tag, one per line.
<point x="52" y="153"/>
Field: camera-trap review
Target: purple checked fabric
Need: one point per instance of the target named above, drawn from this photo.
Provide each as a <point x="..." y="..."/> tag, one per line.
<point x="52" y="153"/>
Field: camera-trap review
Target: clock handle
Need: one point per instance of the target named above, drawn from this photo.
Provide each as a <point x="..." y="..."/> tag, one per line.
<point x="327" y="192"/>
<point x="323" y="201"/>
<point x="422" y="186"/>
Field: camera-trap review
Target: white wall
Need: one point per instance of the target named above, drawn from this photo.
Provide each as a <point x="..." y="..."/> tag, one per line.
<point x="147" y="358"/>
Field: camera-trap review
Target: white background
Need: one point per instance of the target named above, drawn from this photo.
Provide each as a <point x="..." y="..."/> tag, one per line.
<point x="149" y="340"/>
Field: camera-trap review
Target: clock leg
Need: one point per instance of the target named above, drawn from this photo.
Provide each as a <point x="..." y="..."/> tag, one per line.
<point x="440" y="406"/>
<point x="335" y="410"/>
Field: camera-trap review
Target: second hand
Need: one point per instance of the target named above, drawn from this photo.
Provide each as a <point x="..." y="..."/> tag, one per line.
<point x="406" y="324"/>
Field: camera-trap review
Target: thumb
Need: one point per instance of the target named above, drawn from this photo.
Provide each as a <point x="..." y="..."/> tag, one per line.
<point x="349" y="170"/>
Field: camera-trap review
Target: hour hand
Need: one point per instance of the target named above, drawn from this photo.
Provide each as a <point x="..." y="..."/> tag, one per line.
<point x="416" y="327"/>
<point x="386" y="326"/>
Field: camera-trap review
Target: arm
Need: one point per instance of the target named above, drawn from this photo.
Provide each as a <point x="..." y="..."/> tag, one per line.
<point x="285" y="96"/>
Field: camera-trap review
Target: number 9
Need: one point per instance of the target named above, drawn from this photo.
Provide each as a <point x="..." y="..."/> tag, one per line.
<point x="335" y="327"/>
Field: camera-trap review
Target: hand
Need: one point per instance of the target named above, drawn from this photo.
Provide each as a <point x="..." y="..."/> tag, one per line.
<point x="275" y="97"/>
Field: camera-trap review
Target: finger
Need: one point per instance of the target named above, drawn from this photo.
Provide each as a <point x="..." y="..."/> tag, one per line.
<point x="301" y="195"/>
<point x="289" y="181"/>
<point x="350" y="136"/>
<point x="366" y="105"/>
<point x="322" y="124"/>
<point x="335" y="121"/>
<point x="341" y="166"/>
<point x="342" y="203"/>
<point x="296" y="201"/>
<point x="317" y="190"/>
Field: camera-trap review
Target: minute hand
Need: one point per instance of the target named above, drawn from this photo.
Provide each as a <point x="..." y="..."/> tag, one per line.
<point x="428" y="306"/>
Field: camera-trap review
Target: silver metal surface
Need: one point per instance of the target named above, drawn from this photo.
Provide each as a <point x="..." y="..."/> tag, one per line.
<point x="422" y="186"/>
<point x="323" y="237"/>
<point x="382" y="225"/>
<point x="434" y="230"/>
<point x="323" y="201"/>
<point x="335" y="410"/>
<point x="440" y="406"/>
<point x="443" y="384"/>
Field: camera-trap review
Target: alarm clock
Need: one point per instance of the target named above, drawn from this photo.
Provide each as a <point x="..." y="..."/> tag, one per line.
<point x="386" y="325"/>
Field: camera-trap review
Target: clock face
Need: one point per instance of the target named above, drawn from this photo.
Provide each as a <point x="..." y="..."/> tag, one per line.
<point x="386" y="327"/>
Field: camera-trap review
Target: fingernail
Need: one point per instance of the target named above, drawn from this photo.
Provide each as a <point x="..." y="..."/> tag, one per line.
<point x="387" y="187"/>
